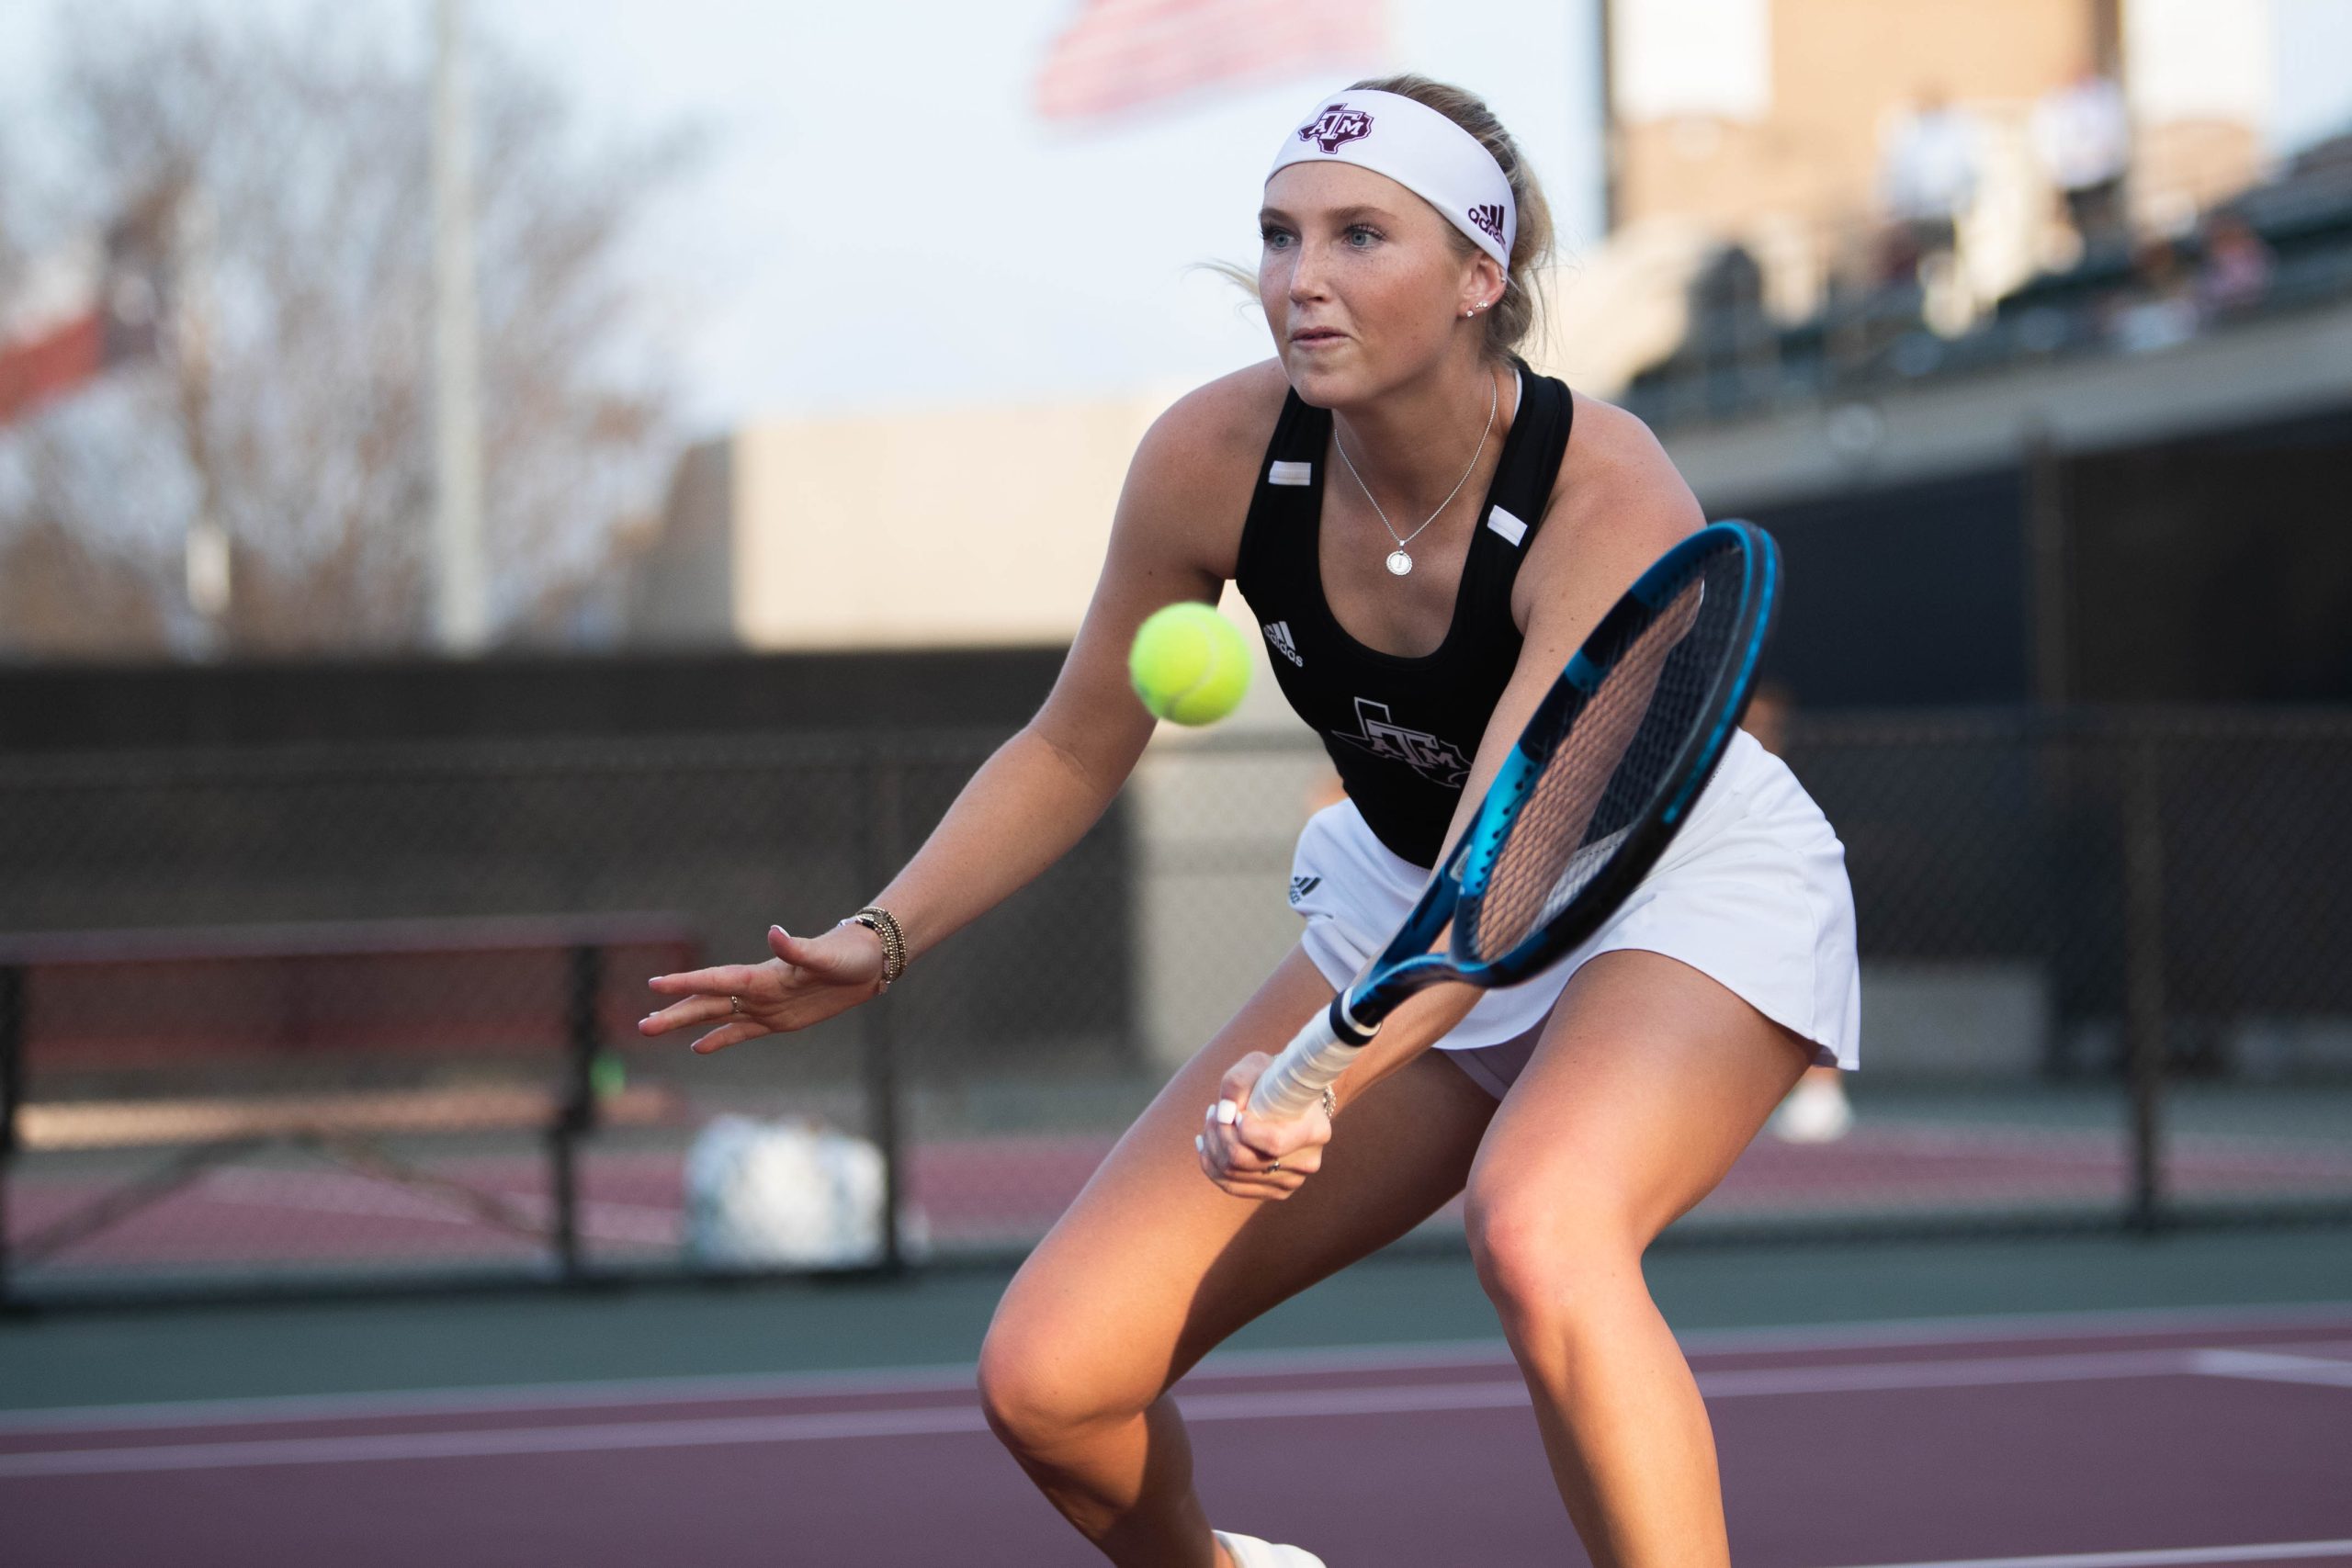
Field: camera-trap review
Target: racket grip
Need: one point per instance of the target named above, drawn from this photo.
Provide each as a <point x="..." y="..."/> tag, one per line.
<point x="1308" y="1065"/>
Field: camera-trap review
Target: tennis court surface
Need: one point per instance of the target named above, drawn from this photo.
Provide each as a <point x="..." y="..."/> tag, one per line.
<point x="2212" y="1432"/>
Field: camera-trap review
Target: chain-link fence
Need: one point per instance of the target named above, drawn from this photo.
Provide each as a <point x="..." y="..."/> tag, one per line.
<point x="298" y="1018"/>
<point x="2098" y="982"/>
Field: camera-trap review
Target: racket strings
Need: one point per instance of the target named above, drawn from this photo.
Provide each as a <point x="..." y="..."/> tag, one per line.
<point x="1617" y="751"/>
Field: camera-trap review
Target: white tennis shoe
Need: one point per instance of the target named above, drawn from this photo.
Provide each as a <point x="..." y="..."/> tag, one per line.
<point x="1249" y="1551"/>
<point x="1817" y="1111"/>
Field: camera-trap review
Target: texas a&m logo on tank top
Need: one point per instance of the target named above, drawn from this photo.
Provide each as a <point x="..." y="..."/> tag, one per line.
<point x="1440" y="762"/>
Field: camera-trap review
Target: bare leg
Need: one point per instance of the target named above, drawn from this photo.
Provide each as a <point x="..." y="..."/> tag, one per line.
<point x="1649" y="1079"/>
<point x="1153" y="1266"/>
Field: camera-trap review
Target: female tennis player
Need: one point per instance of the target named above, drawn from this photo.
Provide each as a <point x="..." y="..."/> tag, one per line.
<point x="1426" y="529"/>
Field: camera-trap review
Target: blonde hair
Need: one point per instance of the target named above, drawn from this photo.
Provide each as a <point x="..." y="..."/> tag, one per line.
<point x="1514" y="317"/>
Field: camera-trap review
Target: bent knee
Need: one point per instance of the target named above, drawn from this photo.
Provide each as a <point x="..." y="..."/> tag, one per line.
<point x="1040" y="1394"/>
<point x="1546" y="1259"/>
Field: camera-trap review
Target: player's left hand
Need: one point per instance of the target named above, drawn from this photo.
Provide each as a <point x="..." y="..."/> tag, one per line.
<point x="1249" y="1157"/>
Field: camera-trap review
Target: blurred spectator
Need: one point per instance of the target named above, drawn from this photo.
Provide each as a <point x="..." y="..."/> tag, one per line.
<point x="2083" y="134"/>
<point x="1928" y="167"/>
<point x="2236" y="273"/>
<point x="2159" y="308"/>
<point x="1729" y="336"/>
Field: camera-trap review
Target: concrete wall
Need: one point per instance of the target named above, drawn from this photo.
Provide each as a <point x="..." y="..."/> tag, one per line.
<point x="957" y="526"/>
<point x="1214" y="828"/>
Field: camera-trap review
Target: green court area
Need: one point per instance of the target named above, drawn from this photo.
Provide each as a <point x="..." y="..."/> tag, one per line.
<point x="937" y="1318"/>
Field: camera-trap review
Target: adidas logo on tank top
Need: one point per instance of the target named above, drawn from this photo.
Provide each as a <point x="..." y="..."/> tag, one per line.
<point x="1400" y="731"/>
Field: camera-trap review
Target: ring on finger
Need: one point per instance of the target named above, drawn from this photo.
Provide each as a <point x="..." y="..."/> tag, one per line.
<point x="1276" y="1165"/>
<point x="735" y="1006"/>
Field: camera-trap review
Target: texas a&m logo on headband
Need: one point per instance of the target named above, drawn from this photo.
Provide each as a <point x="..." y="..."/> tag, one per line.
<point x="1489" y="219"/>
<point x="1335" y="125"/>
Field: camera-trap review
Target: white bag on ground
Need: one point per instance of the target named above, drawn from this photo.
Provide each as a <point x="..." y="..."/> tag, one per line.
<point x="783" y="1194"/>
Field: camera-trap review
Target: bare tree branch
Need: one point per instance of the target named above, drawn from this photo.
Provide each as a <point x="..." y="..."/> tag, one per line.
<point x="293" y="396"/>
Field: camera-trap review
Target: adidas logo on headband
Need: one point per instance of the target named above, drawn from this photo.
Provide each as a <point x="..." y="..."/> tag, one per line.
<point x="1490" y="220"/>
<point x="1336" y="125"/>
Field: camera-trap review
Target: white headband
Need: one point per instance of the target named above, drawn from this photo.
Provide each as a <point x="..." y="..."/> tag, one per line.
<point x="1420" y="149"/>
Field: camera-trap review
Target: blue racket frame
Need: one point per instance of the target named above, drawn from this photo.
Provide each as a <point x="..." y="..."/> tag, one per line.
<point x="1406" y="966"/>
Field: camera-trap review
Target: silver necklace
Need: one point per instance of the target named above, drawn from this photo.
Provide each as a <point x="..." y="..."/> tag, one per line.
<point x="1400" y="561"/>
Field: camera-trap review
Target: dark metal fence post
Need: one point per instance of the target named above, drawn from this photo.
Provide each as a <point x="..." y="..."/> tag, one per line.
<point x="2049" y="651"/>
<point x="2144" y="974"/>
<point x="12" y="1093"/>
<point x="578" y="1111"/>
<point x="886" y="794"/>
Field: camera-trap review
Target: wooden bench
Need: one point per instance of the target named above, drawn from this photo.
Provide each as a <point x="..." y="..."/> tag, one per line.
<point x="333" y="1037"/>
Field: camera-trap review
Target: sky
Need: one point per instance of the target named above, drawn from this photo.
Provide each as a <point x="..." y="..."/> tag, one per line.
<point x="2313" y="88"/>
<point x="885" y="221"/>
<point x="880" y="221"/>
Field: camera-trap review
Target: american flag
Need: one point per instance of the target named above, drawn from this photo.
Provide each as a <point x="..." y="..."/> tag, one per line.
<point x="49" y="365"/>
<point x="112" y="316"/>
<point x="1119" y="56"/>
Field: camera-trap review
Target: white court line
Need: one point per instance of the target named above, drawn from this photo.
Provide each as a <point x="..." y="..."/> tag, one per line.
<point x="1237" y="1406"/>
<point x="474" y="1445"/>
<point x="957" y="1377"/>
<point x="1996" y="1328"/>
<point x="830" y="1426"/>
<point x="1429" y="1356"/>
<point x="2337" y="1350"/>
<point x="2266" y="1366"/>
<point x="2277" y="1551"/>
<point x="1999" y="1373"/>
<point x="618" y="1393"/>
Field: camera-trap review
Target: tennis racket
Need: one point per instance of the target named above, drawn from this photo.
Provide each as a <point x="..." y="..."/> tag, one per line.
<point x="1584" y="804"/>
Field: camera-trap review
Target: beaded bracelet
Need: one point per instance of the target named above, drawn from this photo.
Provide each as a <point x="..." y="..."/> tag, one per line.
<point x="885" y="926"/>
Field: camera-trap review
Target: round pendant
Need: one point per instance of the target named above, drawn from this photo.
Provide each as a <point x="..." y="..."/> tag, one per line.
<point x="1399" y="563"/>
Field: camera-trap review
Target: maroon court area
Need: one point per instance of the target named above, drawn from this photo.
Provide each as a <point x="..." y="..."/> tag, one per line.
<point x="2165" y="1440"/>
<point x="998" y="1192"/>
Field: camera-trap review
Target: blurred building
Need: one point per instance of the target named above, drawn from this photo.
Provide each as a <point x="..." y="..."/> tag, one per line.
<point x="928" y="528"/>
<point x="1857" y="249"/>
<point x="2046" y="378"/>
<point x="917" y="529"/>
<point x="1778" y="127"/>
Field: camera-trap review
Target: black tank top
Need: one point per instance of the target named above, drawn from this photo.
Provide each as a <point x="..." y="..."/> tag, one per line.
<point x="1401" y="731"/>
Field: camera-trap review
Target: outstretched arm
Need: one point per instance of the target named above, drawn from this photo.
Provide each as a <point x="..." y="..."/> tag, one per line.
<point x="1041" y="791"/>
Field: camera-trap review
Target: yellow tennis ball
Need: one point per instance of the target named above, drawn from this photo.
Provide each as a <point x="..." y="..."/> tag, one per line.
<point x="1189" y="664"/>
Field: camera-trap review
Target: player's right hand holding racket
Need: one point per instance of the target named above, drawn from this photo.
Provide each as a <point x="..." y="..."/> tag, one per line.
<point x="810" y="980"/>
<point x="1241" y="1167"/>
<point x="1601" y="780"/>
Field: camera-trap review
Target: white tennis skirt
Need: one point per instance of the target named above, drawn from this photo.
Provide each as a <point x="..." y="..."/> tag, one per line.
<point x="1752" y="892"/>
